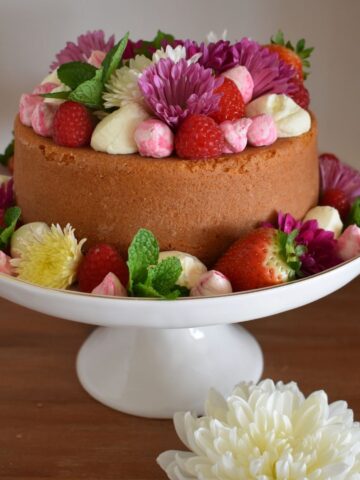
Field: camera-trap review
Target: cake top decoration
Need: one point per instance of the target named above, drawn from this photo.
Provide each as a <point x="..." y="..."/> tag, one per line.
<point x="170" y="80"/>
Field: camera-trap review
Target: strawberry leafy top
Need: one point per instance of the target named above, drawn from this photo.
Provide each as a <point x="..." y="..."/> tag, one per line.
<point x="300" y="49"/>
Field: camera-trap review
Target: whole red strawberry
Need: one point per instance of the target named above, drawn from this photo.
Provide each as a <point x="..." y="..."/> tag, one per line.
<point x="73" y="125"/>
<point x="231" y="105"/>
<point x="199" y="137"/>
<point x="262" y="258"/>
<point x="97" y="263"/>
<point x="297" y="57"/>
<point x="301" y="96"/>
<point x="334" y="197"/>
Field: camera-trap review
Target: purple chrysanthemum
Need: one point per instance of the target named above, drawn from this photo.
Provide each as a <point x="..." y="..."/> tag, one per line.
<point x="321" y="246"/>
<point x="6" y="194"/>
<point x="269" y="73"/>
<point x="82" y="50"/>
<point x="335" y="174"/>
<point x="175" y="90"/>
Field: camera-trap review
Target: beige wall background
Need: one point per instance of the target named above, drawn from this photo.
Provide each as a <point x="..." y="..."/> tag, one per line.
<point x="32" y="31"/>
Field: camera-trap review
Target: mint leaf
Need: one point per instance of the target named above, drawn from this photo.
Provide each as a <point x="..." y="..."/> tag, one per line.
<point x="143" y="252"/>
<point x="11" y="218"/>
<point x="74" y="74"/>
<point x="61" y="95"/>
<point x="90" y="92"/>
<point x="165" y="275"/>
<point x="354" y="215"/>
<point x="144" y="290"/>
<point x="112" y="59"/>
<point x="9" y="152"/>
<point x="148" y="48"/>
<point x="160" y="38"/>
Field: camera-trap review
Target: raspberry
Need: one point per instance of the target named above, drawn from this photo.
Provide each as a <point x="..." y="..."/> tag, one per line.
<point x="73" y="125"/>
<point x="231" y="106"/>
<point x="301" y="96"/>
<point x="97" y="263"/>
<point x="334" y="197"/>
<point x="199" y="137"/>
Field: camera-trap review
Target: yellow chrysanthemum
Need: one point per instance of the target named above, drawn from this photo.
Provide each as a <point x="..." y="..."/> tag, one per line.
<point x="52" y="259"/>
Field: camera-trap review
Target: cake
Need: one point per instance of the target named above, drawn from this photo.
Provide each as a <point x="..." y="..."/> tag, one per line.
<point x="199" y="206"/>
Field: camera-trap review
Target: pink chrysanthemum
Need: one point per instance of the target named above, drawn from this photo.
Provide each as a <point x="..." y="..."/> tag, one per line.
<point x="337" y="175"/>
<point x="174" y="91"/>
<point x="321" y="246"/>
<point x="82" y="50"/>
<point x="269" y="73"/>
<point x="6" y="194"/>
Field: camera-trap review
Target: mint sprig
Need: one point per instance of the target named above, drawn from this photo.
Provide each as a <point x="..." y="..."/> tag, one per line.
<point x="354" y="215"/>
<point x="147" y="276"/>
<point x="113" y="58"/>
<point x="11" y="218"/>
<point x="8" y="153"/>
<point x="74" y="74"/>
<point x="90" y="92"/>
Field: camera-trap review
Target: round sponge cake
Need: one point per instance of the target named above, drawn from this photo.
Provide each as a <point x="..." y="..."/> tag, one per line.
<point x="199" y="207"/>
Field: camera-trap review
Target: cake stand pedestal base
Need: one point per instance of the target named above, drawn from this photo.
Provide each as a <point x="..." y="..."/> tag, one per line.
<point x="156" y="372"/>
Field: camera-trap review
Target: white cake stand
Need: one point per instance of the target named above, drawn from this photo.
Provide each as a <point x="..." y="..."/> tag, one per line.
<point x="154" y="357"/>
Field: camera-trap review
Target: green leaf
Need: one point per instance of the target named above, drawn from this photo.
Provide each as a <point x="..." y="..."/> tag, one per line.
<point x="144" y="290"/>
<point x="143" y="252"/>
<point x="300" y="45"/>
<point x="61" y="95"/>
<point x="354" y="215"/>
<point x="90" y="92"/>
<point x="9" y="152"/>
<point x="74" y="74"/>
<point x="160" y="38"/>
<point x="278" y="39"/>
<point x="113" y="58"/>
<point x="165" y="275"/>
<point x="11" y="218"/>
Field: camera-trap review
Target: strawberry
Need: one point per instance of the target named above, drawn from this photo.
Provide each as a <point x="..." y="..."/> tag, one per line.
<point x="198" y="137"/>
<point x="73" y="125"/>
<point x="297" y="57"/>
<point x="262" y="258"/>
<point x="2" y="218"/>
<point x="97" y="263"/>
<point x="334" y="197"/>
<point x="301" y="95"/>
<point x="231" y="105"/>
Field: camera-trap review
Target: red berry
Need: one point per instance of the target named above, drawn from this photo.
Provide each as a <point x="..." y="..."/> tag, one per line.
<point x="73" y="125"/>
<point x="255" y="261"/>
<point x="301" y="96"/>
<point x="231" y="105"/>
<point x="334" y="197"/>
<point x="288" y="56"/>
<point x="2" y="218"/>
<point x="198" y="137"/>
<point x="328" y="156"/>
<point x="97" y="263"/>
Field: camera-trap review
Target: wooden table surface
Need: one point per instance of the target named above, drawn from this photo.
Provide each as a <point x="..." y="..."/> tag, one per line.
<point x="51" y="429"/>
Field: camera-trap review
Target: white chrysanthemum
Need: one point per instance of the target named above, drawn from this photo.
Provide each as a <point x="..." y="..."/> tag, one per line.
<point x="175" y="54"/>
<point x="123" y="85"/>
<point x="265" y="432"/>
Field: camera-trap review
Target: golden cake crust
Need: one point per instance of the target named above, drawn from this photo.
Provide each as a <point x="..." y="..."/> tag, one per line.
<point x="199" y="207"/>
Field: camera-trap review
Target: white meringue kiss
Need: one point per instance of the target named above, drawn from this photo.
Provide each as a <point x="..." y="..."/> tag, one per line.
<point x="291" y="120"/>
<point x="110" y="286"/>
<point x="192" y="268"/>
<point x="42" y="119"/>
<point x="235" y="134"/>
<point x="348" y="244"/>
<point x="262" y="131"/>
<point x="154" y="139"/>
<point x="211" y="283"/>
<point x="243" y="80"/>
<point x="328" y="218"/>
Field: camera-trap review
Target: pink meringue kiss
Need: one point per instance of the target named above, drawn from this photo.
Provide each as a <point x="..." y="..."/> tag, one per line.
<point x="28" y="101"/>
<point x="243" y="80"/>
<point x="110" y="286"/>
<point x="235" y="134"/>
<point x="42" y="118"/>
<point x="154" y="139"/>
<point x="211" y="283"/>
<point x="96" y="58"/>
<point x="348" y="244"/>
<point x="262" y="131"/>
<point x="5" y="265"/>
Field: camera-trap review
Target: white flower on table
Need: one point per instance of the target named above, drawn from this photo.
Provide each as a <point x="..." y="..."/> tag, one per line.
<point x="266" y="431"/>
